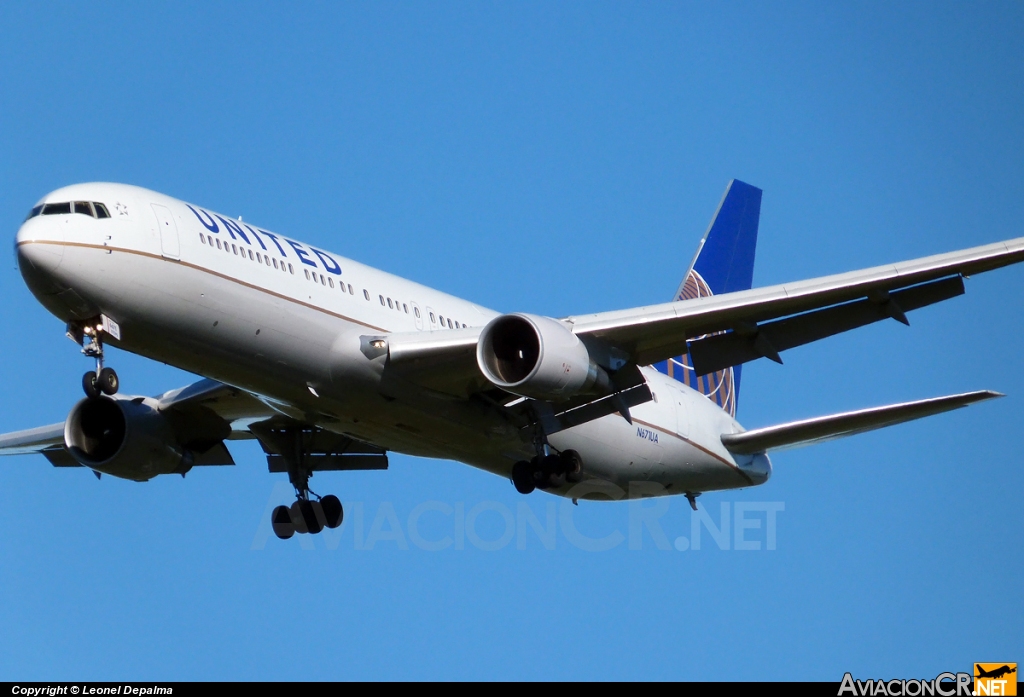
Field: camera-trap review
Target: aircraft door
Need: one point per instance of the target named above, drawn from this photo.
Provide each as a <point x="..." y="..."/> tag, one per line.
<point x="417" y="315"/>
<point x="170" y="247"/>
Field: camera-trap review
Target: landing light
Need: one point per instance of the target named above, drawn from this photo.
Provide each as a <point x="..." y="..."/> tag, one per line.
<point x="378" y="343"/>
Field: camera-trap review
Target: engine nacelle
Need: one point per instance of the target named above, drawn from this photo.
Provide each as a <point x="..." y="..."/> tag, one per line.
<point x="537" y="357"/>
<point x="125" y="438"/>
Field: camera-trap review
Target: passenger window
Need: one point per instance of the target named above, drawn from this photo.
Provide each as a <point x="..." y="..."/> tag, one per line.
<point x="101" y="210"/>
<point x="275" y="263"/>
<point x="202" y="238"/>
<point x="323" y="281"/>
<point x="350" y="291"/>
<point x="307" y="273"/>
<point x="218" y="244"/>
<point x="252" y="257"/>
<point x="366" y="294"/>
<point x="85" y="208"/>
<point x="406" y="308"/>
<point x="330" y="282"/>
<point x="34" y="212"/>
<point x="450" y="323"/>
<point x="417" y="311"/>
<point x="441" y="318"/>
<point x="56" y="208"/>
<point x="234" y="249"/>
<point x="381" y="300"/>
<point x="432" y="318"/>
<point x="390" y="304"/>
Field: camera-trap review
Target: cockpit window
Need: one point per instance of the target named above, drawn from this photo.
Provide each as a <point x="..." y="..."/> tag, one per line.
<point x="89" y="208"/>
<point x="56" y="208"/>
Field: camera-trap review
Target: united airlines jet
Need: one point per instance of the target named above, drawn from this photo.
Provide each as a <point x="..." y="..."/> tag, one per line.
<point x="330" y="364"/>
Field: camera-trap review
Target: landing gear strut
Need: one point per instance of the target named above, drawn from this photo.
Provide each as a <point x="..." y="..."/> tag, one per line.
<point x="311" y="512"/>
<point x="547" y="471"/>
<point x="102" y="381"/>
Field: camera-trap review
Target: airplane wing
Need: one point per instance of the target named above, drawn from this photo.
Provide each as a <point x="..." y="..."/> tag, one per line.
<point x="202" y="416"/>
<point x="812" y="310"/>
<point x="717" y="331"/>
<point x="32" y="440"/>
<point x="808" y="431"/>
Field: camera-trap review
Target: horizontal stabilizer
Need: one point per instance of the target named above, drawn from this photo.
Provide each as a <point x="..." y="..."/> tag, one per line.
<point x="822" y="428"/>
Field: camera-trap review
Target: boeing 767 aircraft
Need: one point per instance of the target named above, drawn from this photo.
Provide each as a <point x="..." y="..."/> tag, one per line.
<point x="330" y="364"/>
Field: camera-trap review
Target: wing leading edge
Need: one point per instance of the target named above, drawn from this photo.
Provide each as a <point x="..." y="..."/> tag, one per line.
<point x="658" y="332"/>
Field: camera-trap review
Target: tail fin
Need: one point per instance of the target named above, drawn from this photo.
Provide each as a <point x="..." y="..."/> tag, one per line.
<point x="724" y="263"/>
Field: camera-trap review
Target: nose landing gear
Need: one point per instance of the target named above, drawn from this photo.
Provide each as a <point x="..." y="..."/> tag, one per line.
<point x="102" y="381"/>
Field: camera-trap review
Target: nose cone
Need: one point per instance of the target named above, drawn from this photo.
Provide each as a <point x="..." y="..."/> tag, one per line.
<point x="40" y="249"/>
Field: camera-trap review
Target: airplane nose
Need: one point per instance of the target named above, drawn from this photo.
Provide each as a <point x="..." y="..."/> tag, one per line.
<point x="40" y="245"/>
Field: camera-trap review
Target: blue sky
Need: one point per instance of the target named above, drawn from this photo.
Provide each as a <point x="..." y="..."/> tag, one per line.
<point x="552" y="158"/>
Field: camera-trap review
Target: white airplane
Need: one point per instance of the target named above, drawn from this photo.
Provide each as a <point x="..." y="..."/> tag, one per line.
<point x="329" y="364"/>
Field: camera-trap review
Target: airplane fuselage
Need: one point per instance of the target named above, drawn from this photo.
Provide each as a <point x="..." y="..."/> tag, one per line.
<point x="290" y="323"/>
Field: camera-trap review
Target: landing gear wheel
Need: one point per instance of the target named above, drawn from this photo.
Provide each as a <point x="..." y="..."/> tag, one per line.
<point x="554" y="471"/>
<point x="522" y="477"/>
<point x="307" y="512"/>
<point x="90" y="385"/>
<point x="572" y="463"/>
<point x="298" y="520"/>
<point x="333" y="512"/>
<point x="281" y="521"/>
<point x="107" y="381"/>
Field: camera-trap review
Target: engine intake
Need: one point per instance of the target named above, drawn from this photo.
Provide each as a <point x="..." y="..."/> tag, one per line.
<point x="124" y="438"/>
<point x="538" y="357"/>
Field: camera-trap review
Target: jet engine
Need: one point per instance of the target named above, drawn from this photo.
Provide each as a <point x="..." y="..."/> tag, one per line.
<point x="125" y="438"/>
<point x="538" y="357"/>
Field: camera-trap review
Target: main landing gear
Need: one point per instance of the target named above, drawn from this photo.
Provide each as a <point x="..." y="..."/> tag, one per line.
<point x="547" y="471"/>
<point x="311" y="512"/>
<point x="102" y="381"/>
<point x="307" y="515"/>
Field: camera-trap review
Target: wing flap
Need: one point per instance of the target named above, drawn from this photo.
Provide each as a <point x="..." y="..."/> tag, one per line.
<point x="822" y="428"/>
<point x="720" y="351"/>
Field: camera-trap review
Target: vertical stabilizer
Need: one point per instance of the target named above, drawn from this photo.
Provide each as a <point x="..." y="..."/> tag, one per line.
<point x="724" y="263"/>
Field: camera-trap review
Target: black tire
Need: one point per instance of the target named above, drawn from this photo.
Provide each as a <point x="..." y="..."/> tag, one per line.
<point x="554" y="471"/>
<point x="281" y="521"/>
<point x="107" y="381"/>
<point x="313" y="524"/>
<point x="540" y="477"/>
<point x="572" y="463"/>
<point x="90" y="385"/>
<point x="298" y="520"/>
<point x="522" y="477"/>
<point x="333" y="512"/>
